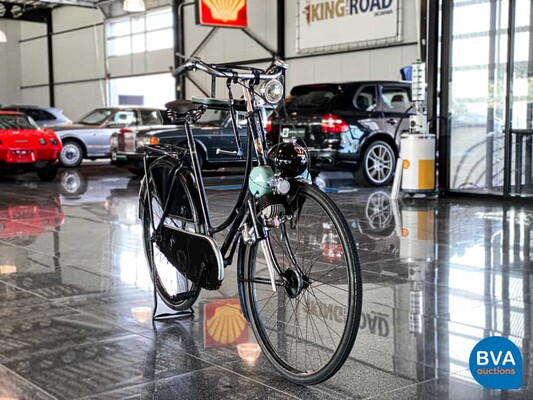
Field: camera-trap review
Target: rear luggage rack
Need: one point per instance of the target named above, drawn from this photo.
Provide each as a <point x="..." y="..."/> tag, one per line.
<point x="158" y="150"/>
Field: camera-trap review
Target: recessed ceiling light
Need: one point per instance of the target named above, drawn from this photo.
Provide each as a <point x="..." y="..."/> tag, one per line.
<point x="134" y="6"/>
<point x="16" y="11"/>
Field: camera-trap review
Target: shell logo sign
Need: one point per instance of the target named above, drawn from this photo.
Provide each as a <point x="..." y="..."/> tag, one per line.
<point x="224" y="324"/>
<point x="224" y="13"/>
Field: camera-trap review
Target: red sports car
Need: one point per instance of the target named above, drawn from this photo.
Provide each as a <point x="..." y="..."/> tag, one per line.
<point x="25" y="147"/>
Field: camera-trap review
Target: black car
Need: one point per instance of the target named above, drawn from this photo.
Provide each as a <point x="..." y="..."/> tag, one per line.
<point x="212" y="132"/>
<point x="355" y="125"/>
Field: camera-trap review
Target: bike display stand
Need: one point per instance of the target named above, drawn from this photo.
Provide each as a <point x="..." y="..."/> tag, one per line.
<point x="168" y="316"/>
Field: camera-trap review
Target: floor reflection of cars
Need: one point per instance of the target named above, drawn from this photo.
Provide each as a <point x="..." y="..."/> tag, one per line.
<point x="26" y="147"/>
<point x="374" y="226"/>
<point x="89" y="137"/>
<point x="79" y="187"/>
<point x="213" y="131"/>
<point x="20" y="223"/>
<point x="354" y="125"/>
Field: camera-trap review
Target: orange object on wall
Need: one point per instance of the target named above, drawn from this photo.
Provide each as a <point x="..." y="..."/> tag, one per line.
<point x="223" y="13"/>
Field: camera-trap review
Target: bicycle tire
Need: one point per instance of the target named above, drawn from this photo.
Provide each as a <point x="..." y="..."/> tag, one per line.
<point x="284" y="355"/>
<point x="184" y="215"/>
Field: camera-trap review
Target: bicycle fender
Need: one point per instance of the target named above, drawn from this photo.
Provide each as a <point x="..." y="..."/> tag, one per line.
<point x="142" y="196"/>
<point x="240" y="281"/>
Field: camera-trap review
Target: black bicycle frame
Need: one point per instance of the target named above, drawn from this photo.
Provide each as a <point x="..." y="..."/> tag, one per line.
<point x="256" y="138"/>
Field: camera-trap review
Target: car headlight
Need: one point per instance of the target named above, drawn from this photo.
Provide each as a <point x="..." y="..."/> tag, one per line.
<point x="147" y="140"/>
<point x="42" y="141"/>
<point x="272" y="91"/>
<point x="53" y="142"/>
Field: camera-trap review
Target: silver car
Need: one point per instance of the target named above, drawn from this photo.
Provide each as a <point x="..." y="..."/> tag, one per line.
<point x="43" y="116"/>
<point x="89" y="137"/>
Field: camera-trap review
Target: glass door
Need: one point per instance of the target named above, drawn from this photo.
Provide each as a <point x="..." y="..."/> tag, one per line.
<point x="490" y="98"/>
<point x="521" y="101"/>
<point x="477" y="96"/>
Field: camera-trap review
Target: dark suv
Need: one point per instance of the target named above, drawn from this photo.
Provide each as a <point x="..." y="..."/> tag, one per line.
<point x="351" y="125"/>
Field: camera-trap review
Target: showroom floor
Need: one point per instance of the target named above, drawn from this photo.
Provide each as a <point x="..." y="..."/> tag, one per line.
<point x="438" y="276"/>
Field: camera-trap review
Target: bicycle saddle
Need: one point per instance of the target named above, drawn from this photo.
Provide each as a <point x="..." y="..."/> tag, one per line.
<point x="183" y="107"/>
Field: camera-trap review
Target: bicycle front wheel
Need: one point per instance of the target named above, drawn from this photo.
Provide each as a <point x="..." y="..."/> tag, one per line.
<point x="308" y="329"/>
<point x="177" y="292"/>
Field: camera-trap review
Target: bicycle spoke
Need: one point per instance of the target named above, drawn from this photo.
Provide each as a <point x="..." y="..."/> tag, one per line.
<point x="302" y="327"/>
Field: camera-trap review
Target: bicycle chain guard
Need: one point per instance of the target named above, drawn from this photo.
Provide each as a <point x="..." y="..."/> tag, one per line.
<point x="195" y="256"/>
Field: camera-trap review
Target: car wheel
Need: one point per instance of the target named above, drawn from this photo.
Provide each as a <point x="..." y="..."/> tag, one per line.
<point x="377" y="165"/>
<point x="71" y="155"/>
<point x="47" y="174"/>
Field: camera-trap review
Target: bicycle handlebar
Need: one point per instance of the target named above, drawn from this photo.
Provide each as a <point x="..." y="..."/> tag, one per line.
<point x="228" y="72"/>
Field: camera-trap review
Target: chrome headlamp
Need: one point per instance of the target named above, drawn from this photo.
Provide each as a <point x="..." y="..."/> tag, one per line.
<point x="272" y="91"/>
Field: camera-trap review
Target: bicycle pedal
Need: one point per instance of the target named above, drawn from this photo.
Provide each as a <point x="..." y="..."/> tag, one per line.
<point x="184" y="296"/>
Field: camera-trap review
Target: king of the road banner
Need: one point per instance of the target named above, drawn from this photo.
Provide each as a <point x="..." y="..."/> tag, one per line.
<point x="326" y="24"/>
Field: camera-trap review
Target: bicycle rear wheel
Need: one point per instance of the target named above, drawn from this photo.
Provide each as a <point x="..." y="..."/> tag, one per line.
<point x="176" y="291"/>
<point x="306" y="329"/>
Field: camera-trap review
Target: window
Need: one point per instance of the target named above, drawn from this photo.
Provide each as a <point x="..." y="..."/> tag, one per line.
<point x="125" y="118"/>
<point x="395" y="99"/>
<point x="133" y="35"/>
<point x="311" y="98"/>
<point x="212" y="117"/>
<point x="96" y="117"/>
<point x="365" y="99"/>
<point x="130" y="100"/>
<point x="13" y="121"/>
<point x="148" y="90"/>
<point x="151" y="117"/>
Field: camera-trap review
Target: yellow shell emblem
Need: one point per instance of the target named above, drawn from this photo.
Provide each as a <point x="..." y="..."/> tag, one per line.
<point x="225" y="10"/>
<point x="227" y="325"/>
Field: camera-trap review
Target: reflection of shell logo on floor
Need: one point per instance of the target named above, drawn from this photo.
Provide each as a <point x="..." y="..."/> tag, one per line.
<point x="225" y="10"/>
<point x="224" y="324"/>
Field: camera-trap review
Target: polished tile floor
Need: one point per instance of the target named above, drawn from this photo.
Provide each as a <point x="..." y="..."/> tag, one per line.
<point x="439" y="275"/>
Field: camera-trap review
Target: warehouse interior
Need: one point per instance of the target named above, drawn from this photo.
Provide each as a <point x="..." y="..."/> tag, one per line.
<point x="442" y="267"/>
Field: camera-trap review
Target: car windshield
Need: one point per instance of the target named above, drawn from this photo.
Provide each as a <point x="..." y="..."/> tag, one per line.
<point x="211" y="117"/>
<point x="312" y="98"/>
<point x="96" y="117"/>
<point x="13" y="121"/>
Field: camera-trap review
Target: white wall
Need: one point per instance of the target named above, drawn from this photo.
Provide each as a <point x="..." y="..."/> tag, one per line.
<point x="153" y="62"/>
<point x="77" y="99"/>
<point x="33" y="64"/>
<point x="10" y="63"/>
<point x="79" y="60"/>
<point x="363" y="64"/>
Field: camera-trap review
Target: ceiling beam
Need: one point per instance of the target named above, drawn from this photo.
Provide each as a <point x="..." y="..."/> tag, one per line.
<point x="77" y="3"/>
